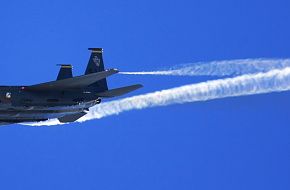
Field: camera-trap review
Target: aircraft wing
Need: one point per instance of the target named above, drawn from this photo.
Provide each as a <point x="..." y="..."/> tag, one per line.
<point x="119" y="91"/>
<point x="72" y="83"/>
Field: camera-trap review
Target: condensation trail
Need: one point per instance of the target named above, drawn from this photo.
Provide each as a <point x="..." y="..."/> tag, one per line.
<point x="271" y="81"/>
<point x="221" y="68"/>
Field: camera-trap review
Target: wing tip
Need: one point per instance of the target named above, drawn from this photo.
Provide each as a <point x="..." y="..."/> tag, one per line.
<point x="138" y="86"/>
<point x="113" y="70"/>
<point x="120" y="91"/>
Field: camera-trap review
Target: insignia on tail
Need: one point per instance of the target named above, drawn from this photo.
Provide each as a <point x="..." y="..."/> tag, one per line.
<point x="96" y="64"/>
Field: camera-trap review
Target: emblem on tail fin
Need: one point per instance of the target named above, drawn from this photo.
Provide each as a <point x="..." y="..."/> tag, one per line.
<point x="96" y="60"/>
<point x="95" y="65"/>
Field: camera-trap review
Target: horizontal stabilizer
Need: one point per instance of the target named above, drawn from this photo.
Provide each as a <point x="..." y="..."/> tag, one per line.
<point x="119" y="91"/>
<point x="73" y="83"/>
<point x="72" y="117"/>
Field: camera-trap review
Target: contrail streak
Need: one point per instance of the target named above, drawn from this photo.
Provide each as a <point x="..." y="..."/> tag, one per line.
<point x="271" y="81"/>
<point x="221" y="68"/>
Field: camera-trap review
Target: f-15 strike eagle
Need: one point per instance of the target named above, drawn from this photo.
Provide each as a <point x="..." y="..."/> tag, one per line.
<point x="67" y="98"/>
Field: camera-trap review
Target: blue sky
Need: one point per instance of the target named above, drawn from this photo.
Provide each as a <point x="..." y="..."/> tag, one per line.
<point x="234" y="143"/>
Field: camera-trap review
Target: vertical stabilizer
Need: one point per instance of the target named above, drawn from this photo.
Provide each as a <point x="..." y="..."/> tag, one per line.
<point x="95" y="65"/>
<point x="64" y="72"/>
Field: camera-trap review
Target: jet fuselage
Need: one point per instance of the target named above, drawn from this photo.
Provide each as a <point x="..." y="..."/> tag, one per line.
<point x="19" y="105"/>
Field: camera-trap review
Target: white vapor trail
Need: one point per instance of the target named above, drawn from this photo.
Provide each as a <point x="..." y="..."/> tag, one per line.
<point x="220" y="68"/>
<point x="272" y="81"/>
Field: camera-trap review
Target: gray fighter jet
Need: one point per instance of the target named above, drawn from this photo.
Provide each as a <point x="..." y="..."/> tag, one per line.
<point x="67" y="98"/>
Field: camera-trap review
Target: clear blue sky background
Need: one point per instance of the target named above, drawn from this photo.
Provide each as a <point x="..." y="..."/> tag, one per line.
<point x="234" y="143"/>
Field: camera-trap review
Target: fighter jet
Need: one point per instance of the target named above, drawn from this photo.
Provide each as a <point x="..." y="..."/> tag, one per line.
<point x="67" y="98"/>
